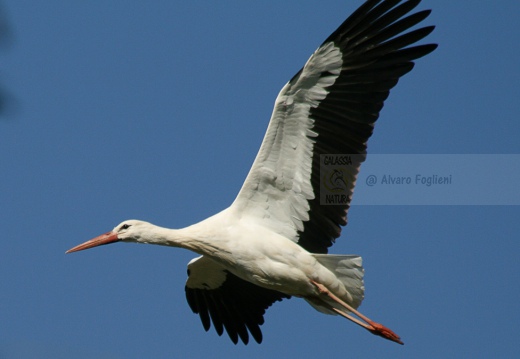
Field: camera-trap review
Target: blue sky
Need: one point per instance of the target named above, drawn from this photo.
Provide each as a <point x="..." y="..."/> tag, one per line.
<point x="156" y="111"/>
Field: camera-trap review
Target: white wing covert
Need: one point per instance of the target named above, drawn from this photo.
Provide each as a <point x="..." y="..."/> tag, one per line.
<point x="278" y="186"/>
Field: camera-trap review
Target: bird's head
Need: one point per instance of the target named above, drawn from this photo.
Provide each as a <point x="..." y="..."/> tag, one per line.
<point x="128" y="231"/>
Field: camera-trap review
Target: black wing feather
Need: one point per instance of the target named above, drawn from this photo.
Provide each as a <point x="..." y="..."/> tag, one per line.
<point x="375" y="55"/>
<point x="236" y="306"/>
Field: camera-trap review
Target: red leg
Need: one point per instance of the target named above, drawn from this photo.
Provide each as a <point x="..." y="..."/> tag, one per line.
<point x="370" y="325"/>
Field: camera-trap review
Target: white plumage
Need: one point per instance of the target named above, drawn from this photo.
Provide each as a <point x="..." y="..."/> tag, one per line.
<point x="271" y="243"/>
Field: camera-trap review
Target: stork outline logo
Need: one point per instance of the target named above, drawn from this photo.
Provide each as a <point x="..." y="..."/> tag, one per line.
<point x="334" y="181"/>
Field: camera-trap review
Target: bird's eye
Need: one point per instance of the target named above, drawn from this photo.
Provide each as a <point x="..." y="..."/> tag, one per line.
<point x="125" y="226"/>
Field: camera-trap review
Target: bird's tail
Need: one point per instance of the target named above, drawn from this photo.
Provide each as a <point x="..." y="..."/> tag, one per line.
<point x="349" y="270"/>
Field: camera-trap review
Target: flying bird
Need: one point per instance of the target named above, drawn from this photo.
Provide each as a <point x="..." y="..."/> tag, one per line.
<point x="272" y="242"/>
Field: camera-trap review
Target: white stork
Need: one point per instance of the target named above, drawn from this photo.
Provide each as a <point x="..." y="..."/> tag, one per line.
<point x="271" y="243"/>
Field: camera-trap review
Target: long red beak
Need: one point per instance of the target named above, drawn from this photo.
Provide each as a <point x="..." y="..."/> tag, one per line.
<point x="107" y="238"/>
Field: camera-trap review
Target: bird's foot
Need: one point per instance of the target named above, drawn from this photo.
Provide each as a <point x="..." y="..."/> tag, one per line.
<point x="382" y="331"/>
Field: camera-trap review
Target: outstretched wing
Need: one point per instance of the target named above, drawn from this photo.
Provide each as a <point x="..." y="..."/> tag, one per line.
<point x="231" y="303"/>
<point x="329" y="107"/>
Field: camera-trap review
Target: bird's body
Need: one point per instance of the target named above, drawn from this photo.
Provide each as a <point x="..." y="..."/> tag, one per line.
<point x="271" y="243"/>
<point x="247" y="250"/>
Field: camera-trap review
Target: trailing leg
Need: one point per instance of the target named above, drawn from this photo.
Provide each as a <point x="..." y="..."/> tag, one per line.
<point x="365" y="322"/>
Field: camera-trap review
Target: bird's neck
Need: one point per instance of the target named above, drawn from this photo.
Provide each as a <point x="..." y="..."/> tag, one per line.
<point x="191" y="238"/>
